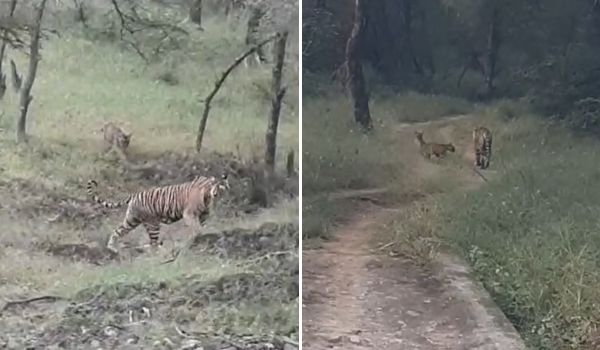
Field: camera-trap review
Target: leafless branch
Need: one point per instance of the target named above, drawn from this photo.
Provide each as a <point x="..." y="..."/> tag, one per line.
<point x="220" y="82"/>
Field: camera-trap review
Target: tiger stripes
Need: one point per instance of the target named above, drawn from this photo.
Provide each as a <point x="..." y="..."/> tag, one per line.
<point x="482" y="143"/>
<point x="163" y="205"/>
<point x="115" y="138"/>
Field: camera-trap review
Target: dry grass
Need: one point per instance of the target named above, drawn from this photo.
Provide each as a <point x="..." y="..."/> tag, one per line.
<point x="83" y="83"/>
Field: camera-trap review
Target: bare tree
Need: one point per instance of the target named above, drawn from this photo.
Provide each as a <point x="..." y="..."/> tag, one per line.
<point x="11" y="11"/>
<point x="289" y="164"/>
<point x="16" y="78"/>
<point x="135" y="20"/>
<point x="195" y="12"/>
<point x="277" y="95"/>
<point x="354" y="71"/>
<point x="34" y="57"/>
<point x="493" y="45"/>
<point x="218" y="84"/>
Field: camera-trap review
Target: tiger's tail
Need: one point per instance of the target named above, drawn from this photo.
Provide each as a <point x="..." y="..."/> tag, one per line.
<point x="91" y="190"/>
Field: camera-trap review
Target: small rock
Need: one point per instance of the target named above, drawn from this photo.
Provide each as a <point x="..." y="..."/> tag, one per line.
<point x="335" y="339"/>
<point x="354" y="339"/>
<point x="168" y="343"/>
<point x="95" y="344"/>
<point x="191" y="344"/>
<point x="133" y="340"/>
<point x="412" y="313"/>
<point x="110" y="331"/>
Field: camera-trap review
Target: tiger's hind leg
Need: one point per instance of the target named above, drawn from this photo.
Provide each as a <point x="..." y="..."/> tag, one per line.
<point x="129" y="223"/>
<point x="153" y="230"/>
<point x="477" y="158"/>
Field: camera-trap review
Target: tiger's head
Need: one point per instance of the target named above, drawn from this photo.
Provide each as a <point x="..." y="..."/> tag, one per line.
<point x="126" y="138"/>
<point x="220" y="186"/>
<point x="450" y="147"/>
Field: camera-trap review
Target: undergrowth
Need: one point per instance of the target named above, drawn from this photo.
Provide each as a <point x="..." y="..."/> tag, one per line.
<point x="52" y="234"/>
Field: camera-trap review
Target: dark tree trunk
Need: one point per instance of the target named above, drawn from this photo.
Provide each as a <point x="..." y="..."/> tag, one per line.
<point x="408" y="23"/>
<point x="15" y="77"/>
<point x="493" y="44"/>
<point x="356" y="79"/>
<point x="289" y="164"/>
<point x="12" y="7"/>
<point x="277" y="95"/>
<point x="34" y="47"/>
<point x="196" y="12"/>
<point x="429" y="61"/>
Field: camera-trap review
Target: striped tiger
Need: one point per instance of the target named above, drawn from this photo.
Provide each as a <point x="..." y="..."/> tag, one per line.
<point x="164" y="205"/>
<point x="482" y="143"/>
<point x="437" y="149"/>
<point x="115" y="138"/>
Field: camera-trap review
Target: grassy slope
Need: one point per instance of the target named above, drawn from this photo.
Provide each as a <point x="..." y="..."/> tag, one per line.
<point x="82" y="84"/>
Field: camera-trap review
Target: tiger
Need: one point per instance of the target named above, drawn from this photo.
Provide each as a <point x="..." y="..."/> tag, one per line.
<point x="115" y="138"/>
<point x="437" y="149"/>
<point x="482" y="144"/>
<point x="163" y="205"/>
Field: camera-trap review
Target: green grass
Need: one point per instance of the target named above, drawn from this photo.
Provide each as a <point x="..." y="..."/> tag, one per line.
<point x="531" y="235"/>
<point x="337" y="156"/>
<point x="83" y="83"/>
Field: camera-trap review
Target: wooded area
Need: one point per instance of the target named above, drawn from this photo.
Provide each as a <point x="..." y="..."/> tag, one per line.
<point x="543" y="51"/>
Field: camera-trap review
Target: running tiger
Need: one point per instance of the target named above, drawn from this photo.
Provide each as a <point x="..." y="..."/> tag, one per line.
<point x="482" y="143"/>
<point x="164" y="205"/>
<point x="437" y="149"/>
<point x="115" y="138"/>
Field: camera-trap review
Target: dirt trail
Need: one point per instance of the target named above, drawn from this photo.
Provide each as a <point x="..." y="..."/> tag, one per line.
<point x="354" y="298"/>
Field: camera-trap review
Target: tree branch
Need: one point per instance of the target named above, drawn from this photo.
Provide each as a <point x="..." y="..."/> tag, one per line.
<point x="220" y="82"/>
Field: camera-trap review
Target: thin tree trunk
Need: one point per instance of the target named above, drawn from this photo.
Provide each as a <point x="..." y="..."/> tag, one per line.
<point x="277" y="95"/>
<point x="12" y="7"/>
<point x="218" y="84"/>
<point x="196" y="12"/>
<point x="356" y="79"/>
<point x="289" y="164"/>
<point x="408" y="23"/>
<point x="34" y="47"/>
<point x="493" y="45"/>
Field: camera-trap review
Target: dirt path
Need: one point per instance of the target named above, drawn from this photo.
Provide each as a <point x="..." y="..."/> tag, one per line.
<point x="354" y="298"/>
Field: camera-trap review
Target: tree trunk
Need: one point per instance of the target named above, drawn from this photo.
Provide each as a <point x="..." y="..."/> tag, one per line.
<point x="356" y="79"/>
<point x="289" y="164"/>
<point x="34" y="47"/>
<point x="493" y="45"/>
<point x="12" y="7"/>
<point x="196" y="12"/>
<point x="277" y="95"/>
<point x="408" y="24"/>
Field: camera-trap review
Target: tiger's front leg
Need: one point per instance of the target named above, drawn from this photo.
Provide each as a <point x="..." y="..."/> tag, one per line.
<point x="191" y="220"/>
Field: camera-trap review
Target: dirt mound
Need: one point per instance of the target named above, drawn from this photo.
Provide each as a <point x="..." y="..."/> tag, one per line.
<point x="142" y="316"/>
<point x="22" y="197"/>
<point x="243" y="243"/>
<point x="78" y="252"/>
<point x="250" y="187"/>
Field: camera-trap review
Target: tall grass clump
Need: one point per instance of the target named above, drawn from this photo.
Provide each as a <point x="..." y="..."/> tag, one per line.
<point x="531" y="234"/>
